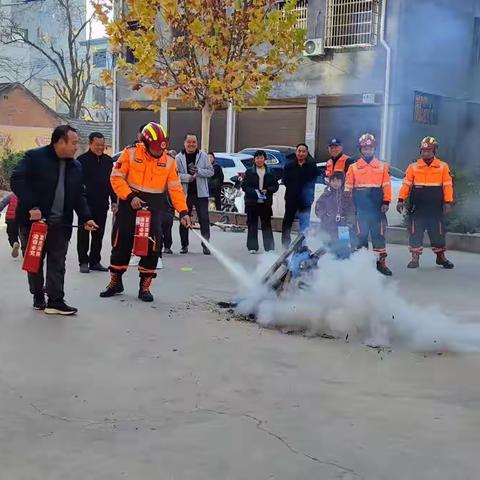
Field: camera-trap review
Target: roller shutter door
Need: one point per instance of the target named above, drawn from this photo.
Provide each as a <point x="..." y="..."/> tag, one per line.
<point x="181" y="122"/>
<point x="275" y="126"/>
<point x="346" y="123"/>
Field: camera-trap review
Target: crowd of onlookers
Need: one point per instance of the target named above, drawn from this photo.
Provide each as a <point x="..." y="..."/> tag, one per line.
<point x="202" y="180"/>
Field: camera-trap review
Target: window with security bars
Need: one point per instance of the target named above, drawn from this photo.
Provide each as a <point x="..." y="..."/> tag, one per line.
<point x="351" y="23"/>
<point x="301" y="9"/>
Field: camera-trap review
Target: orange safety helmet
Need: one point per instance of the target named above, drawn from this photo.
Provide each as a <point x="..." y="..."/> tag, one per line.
<point x="154" y="135"/>
<point x="429" y="143"/>
<point x="367" y="140"/>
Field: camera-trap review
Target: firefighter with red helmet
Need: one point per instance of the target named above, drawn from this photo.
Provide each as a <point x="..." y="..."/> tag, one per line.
<point x="369" y="181"/>
<point x="141" y="177"/>
<point x="428" y="186"/>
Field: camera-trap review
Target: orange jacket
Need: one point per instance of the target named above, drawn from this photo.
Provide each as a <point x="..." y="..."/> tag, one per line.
<point x="136" y="171"/>
<point x="431" y="177"/>
<point x="363" y="176"/>
<point x="341" y="165"/>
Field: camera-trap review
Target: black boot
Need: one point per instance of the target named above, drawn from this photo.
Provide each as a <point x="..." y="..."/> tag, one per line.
<point x="382" y="266"/>
<point x="415" y="261"/>
<point x="443" y="261"/>
<point x="144" y="290"/>
<point x="115" y="286"/>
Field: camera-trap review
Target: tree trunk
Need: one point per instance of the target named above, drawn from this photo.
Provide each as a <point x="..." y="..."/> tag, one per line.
<point x="207" y="112"/>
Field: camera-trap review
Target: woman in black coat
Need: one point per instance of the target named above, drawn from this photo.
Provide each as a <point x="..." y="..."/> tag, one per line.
<point x="259" y="186"/>
<point x="215" y="182"/>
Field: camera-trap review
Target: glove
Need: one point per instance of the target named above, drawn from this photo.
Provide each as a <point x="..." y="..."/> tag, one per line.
<point x="384" y="208"/>
<point x="447" y="208"/>
<point x="400" y="206"/>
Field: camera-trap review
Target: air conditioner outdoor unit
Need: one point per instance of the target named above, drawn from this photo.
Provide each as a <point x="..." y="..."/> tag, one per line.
<point x="313" y="47"/>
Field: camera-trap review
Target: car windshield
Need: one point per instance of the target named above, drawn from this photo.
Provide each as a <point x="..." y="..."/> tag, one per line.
<point x="247" y="162"/>
<point x="225" y="162"/>
<point x="396" y="172"/>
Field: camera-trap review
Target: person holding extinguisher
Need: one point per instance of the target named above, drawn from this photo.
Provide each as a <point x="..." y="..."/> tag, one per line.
<point x="141" y="178"/>
<point x="49" y="185"/>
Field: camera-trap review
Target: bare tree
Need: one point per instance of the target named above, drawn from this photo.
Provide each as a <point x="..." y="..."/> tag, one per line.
<point x="70" y="56"/>
<point x="11" y="70"/>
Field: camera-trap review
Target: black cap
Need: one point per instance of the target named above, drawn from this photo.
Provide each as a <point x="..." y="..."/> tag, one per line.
<point x="335" y="142"/>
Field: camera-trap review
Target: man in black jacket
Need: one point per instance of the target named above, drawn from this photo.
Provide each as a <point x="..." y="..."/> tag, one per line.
<point x="299" y="176"/>
<point x="97" y="167"/>
<point x="49" y="185"/>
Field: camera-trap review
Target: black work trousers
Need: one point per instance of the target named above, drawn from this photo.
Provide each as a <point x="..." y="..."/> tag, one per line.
<point x="218" y="200"/>
<point x="12" y="232"/>
<point x="264" y="213"/>
<point x="434" y="224"/>
<point x="90" y="251"/>
<point x="55" y="252"/>
<point x="373" y="225"/>
<point x="164" y="233"/>
<point x="293" y="210"/>
<point x="124" y="236"/>
<point x="201" y="207"/>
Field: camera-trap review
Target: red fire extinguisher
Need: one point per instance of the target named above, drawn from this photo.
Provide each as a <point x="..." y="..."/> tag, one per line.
<point x="142" y="233"/>
<point x="35" y="247"/>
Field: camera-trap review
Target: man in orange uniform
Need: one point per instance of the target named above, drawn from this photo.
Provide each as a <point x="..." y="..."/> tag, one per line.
<point x="428" y="184"/>
<point x="338" y="161"/>
<point x="141" y="177"/>
<point x="369" y="181"/>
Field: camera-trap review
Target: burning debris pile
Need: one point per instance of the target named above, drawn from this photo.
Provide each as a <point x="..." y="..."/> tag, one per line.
<point x="315" y="293"/>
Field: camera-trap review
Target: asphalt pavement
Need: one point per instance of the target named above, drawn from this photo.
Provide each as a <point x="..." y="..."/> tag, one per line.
<point x="178" y="390"/>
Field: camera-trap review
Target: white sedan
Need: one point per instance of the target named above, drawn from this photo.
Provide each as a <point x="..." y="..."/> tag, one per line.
<point x="278" y="207"/>
<point x="233" y="165"/>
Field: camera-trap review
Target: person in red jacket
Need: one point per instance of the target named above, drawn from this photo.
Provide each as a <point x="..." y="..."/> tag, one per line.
<point x="10" y="201"/>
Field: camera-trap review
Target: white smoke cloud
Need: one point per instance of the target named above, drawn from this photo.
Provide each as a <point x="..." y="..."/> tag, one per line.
<point x="350" y="298"/>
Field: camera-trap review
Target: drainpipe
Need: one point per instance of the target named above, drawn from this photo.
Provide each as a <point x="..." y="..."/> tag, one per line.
<point x="117" y="7"/>
<point x="231" y="129"/>
<point x="386" y="94"/>
<point x="115" y="112"/>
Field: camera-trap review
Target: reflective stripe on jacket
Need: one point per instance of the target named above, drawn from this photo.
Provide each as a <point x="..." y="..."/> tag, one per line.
<point x="370" y="183"/>
<point x="137" y="171"/>
<point x="429" y="182"/>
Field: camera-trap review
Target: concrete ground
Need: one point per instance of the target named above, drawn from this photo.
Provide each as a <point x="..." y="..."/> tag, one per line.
<point x="175" y="391"/>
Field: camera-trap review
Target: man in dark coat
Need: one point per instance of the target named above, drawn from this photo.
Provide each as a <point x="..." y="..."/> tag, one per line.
<point x="299" y="178"/>
<point x="215" y="182"/>
<point x="97" y="167"/>
<point x="49" y="185"/>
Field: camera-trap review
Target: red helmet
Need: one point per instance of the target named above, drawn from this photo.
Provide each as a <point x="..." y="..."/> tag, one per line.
<point x="367" y="140"/>
<point x="429" y="143"/>
<point x="154" y="135"/>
